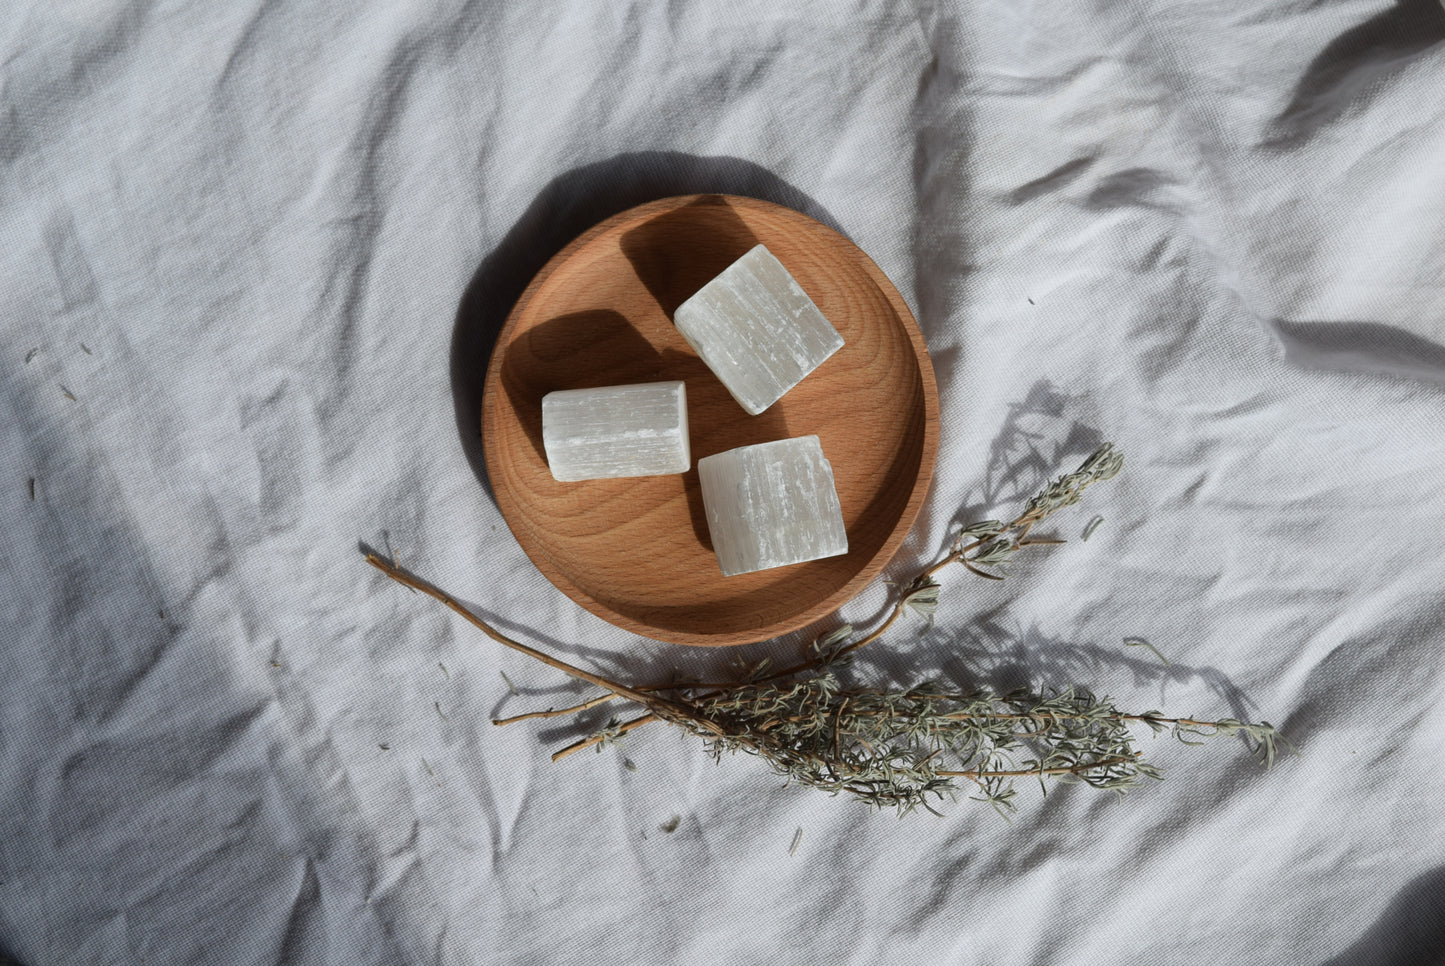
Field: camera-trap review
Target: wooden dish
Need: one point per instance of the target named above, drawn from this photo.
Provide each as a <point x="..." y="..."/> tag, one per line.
<point x="636" y="551"/>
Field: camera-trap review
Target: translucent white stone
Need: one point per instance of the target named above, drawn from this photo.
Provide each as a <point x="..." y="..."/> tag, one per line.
<point x="594" y="434"/>
<point x="771" y="504"/>
<point x="757" y="330"/>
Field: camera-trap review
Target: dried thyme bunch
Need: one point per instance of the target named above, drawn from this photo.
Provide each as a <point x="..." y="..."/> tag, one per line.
<point x="900" y="747"/>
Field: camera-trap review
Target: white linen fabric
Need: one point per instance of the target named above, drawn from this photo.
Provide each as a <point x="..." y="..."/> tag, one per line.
<point x="255" y="254"/>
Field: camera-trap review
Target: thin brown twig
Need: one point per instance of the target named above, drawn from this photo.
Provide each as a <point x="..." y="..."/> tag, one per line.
<point x="555" y="712"/>
<point x="620" y="730"/>
<point x="651" y="701"/>
<point x="600" y="700"/>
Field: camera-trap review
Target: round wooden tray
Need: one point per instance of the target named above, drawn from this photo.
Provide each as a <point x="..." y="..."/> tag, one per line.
<point x="636" y="551"/>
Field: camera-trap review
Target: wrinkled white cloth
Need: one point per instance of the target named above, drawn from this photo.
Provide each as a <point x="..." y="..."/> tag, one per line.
<point x="253" y="254"/>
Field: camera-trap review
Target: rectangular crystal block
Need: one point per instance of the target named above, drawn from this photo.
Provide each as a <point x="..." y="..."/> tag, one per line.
<point x="594" y="434"/>
<point x="757" y="330"/>
<point x="771" y="504"/>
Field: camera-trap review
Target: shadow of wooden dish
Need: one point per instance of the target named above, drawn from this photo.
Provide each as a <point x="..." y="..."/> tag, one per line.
<point x="636" y="551"/>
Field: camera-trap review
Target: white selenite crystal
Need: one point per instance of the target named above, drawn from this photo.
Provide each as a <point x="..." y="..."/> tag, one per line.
<point x="757" y="330"/>
<point x="771" y="504"/>
<point x="594" y="434"/>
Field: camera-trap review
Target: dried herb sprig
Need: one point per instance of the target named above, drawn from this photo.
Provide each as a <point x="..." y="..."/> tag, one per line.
<point x="900" y="748"/>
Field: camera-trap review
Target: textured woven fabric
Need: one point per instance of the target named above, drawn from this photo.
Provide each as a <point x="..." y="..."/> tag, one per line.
<point x="254" y="257"/>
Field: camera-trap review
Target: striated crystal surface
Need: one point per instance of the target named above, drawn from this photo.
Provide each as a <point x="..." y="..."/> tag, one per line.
<point x="593" y="434"/>
<point x="757" y="330"/>
<point x="771" y="504"/>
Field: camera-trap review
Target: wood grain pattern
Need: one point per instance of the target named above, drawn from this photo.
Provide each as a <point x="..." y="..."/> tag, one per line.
<point x="636" y="551"/>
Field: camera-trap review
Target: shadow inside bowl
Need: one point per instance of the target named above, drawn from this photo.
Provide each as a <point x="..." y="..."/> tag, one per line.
<point x="580" y="350"/>
<point x="679" y="251"/>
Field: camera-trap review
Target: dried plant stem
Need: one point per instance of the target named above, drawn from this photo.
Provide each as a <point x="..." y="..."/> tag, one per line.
<point x="613" y="733"/>
<point x="653" y="702"/>
<point x="556" y="712"/>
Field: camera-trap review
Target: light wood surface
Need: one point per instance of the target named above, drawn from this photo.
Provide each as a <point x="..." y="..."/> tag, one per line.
<point x="636" y="551"/>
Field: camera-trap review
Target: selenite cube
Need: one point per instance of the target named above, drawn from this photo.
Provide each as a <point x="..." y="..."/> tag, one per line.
<point x="594" y="434"/>
<point x="757" y="330"/>
<point x="771" y="504"/>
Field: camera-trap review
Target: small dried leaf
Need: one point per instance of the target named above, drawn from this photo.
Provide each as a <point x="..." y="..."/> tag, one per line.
<point x="988" y="528"/>
<point x="924" y="597"/>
